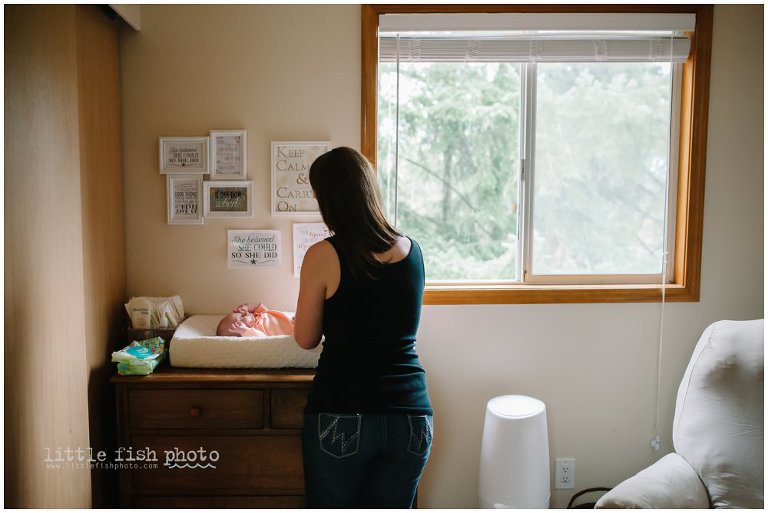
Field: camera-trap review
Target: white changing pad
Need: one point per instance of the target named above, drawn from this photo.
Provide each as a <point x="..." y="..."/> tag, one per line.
<point x="195" y="344"/>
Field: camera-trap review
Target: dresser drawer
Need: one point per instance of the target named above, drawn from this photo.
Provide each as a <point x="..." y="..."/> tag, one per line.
<point x="234" y="465"/>
<point x="195" y="408"/>
<point x="287" y="407"/>
<point x="240" y="502"/>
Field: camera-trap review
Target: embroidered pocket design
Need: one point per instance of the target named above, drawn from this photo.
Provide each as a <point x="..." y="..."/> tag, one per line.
<point x="421" y="434"/>
<point x="339" y="435"/>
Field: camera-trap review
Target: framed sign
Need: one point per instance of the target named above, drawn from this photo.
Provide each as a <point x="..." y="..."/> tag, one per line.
<point x="228" y="155"/>
<point x="291" y="191"/>
<point x="185" y="198"/>
<point x="183" y="155"/>
<point x="228" y="199"/>
<point x="304" y="235"/>
<point x="253" y="248"/>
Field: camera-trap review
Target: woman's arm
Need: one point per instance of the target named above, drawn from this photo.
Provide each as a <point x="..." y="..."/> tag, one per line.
<point x="316" y="272"/>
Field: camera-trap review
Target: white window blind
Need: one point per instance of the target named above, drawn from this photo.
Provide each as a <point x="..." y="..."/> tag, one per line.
<point x="523" y="37"/>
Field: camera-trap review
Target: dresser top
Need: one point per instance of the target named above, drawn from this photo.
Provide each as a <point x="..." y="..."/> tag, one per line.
<point x="167" y="374"/>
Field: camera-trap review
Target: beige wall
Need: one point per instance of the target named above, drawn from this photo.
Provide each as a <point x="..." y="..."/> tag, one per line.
<point x="293" y="73"/>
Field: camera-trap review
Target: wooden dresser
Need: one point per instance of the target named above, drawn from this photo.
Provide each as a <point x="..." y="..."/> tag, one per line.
<point x="218" y="437"/>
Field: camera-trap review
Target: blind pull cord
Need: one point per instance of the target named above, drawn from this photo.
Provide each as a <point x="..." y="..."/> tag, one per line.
<point x="656" y="440"/>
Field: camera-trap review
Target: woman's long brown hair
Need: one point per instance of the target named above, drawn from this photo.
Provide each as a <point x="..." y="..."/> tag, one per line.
<point x="345" y="185"/>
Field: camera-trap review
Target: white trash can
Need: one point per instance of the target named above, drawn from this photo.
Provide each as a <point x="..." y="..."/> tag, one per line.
<point x="514" y="458"/>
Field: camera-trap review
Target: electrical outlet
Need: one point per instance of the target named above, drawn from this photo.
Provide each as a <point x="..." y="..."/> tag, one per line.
<point x="565" y="473"/>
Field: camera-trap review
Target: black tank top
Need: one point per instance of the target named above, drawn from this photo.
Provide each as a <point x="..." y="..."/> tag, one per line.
<point x="369" y="362"/>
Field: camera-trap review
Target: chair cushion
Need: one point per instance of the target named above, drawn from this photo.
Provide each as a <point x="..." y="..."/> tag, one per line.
<point x="669" y="483"/>
<point x="718" y="425"/>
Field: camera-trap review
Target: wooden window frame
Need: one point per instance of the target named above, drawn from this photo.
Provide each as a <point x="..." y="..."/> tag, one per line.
<point x="691" y="163"/>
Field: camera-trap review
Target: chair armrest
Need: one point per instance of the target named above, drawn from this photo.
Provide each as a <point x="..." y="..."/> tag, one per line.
<point x="669" y="483"/>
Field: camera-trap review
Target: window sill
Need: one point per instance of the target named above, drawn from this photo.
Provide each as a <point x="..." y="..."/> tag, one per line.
<point x="534" y="294"/>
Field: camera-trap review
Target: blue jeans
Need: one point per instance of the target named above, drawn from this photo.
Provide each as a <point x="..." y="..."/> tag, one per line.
<point x="364" y="460"/>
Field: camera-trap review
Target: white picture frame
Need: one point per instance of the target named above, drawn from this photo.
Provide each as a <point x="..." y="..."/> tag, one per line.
<point x="248" y="249"/>
<point x="183" y="155"/>
<point x="185" y="199"/>
<point x="228" y="199"/>
<point x="304" y="235"/>
<point x="228" y="154"/>
<point x="290" y="161"/>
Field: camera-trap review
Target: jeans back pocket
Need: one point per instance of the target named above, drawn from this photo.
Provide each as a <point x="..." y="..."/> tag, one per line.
<point x="339" y="434"/>
<point x="420" y="439"/>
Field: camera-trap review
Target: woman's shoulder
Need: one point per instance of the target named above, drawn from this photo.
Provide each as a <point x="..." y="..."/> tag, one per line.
<point x="321" y="250"/>
<point x="404" y="244"/>
<point x="414" y="242"/>
<point x="398" y="252"/>
<point x="321" y="262"/>
<point x="414" y="248"/>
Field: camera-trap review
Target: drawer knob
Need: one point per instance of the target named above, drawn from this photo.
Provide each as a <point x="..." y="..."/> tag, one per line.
<point x="194" y="411"/>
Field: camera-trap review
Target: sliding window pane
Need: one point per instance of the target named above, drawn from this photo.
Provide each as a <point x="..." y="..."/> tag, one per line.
<point x="448" y="154"/>
<point x="601" y="164"/>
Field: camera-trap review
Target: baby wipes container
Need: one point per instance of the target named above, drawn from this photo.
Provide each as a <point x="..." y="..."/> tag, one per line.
<point x="514" y="457"/>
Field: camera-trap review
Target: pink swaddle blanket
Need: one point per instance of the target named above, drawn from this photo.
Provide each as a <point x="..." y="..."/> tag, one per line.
<point x="255" y="321"/>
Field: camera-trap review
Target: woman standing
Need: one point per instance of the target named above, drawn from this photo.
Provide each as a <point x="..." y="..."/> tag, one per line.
<point x="368" y="420"/>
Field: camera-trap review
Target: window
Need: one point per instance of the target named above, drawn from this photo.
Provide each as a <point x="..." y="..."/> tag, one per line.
<point x="529" y="173"/>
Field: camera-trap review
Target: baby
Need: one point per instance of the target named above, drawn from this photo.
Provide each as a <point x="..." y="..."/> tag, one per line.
<point x="255" y="321"/>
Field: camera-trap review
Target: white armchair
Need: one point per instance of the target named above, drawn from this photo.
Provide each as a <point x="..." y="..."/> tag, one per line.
<point x="717" y="431"/>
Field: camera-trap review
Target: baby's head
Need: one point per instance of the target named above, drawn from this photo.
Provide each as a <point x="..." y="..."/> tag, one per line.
<point x="227" y="326"/>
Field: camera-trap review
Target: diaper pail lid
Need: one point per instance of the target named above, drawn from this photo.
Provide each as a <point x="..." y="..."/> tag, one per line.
<point x="515" y="406"/>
